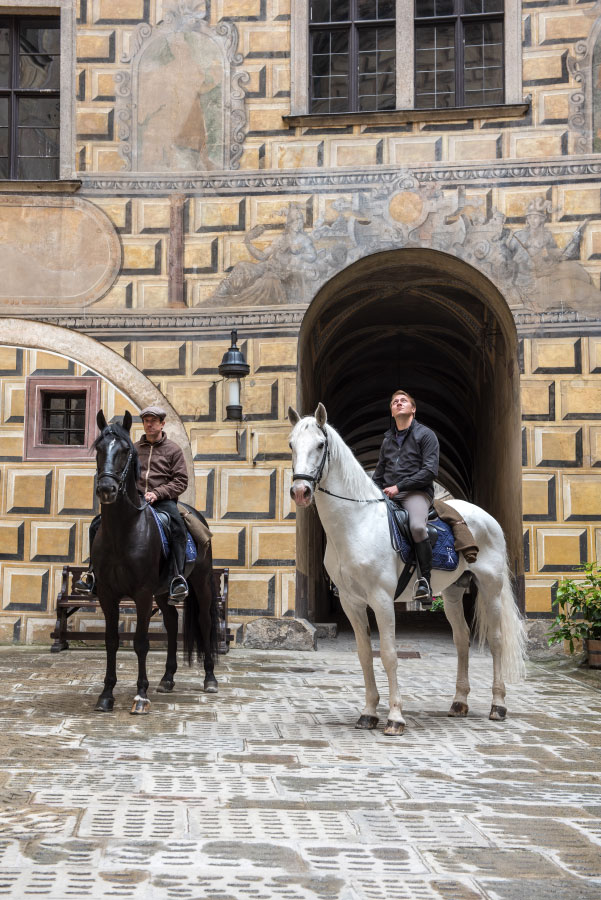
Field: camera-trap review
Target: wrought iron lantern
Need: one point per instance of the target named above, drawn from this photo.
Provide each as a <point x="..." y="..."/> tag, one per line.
<point x="234" y="368"/>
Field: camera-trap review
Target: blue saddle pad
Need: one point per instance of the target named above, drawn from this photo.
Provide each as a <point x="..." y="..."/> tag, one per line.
<point x="444" y="555"/>
<point x="190" y="545"/>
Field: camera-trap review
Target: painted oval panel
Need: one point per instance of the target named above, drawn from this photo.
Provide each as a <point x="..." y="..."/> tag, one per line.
<point x="55" y="252"/>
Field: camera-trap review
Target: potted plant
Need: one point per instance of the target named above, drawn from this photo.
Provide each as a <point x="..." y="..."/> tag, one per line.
<point x="579" y="616"/>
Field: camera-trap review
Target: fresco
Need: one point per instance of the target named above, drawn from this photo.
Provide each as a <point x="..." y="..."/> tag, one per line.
<point x="180" y="104"/>
<point x="56" y="253"/>
<point x="527" y="264"/>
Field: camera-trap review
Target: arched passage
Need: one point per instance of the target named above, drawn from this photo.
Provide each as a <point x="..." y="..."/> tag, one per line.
<point x="435" y="326"/>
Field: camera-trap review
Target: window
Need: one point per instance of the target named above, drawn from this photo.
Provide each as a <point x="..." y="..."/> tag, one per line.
<point x="352" y="55"/>
<point x="63" y="418"/>
<point x="384" y="59"/>
<point x="60" y="417"/>
<point x="29" y="97"/>
<point x="458" y="53"/>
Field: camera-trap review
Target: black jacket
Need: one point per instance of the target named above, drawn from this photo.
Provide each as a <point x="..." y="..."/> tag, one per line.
<point x="412" y="467"/>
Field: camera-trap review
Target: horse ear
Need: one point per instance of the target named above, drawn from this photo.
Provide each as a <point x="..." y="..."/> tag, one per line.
<point x="321" y="415"/>
<point x="293" y="415"/>
<point x="127" y="420"/>
<point x="100" y="420"/>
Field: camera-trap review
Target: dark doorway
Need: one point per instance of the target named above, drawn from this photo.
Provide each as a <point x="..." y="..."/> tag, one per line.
<point x="433" y="325"/>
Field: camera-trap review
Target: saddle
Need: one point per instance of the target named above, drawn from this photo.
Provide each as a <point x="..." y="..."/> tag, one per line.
<point x="444" y="554"/>
<point x="163" y="522"/>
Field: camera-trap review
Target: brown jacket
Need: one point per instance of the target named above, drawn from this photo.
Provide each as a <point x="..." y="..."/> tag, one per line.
<point x="162" y="468"/>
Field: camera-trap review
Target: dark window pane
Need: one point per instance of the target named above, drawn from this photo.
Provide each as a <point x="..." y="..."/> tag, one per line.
<point x="367" y="103"/>
<point x="340" y="10"/>
<point x="424" y="8"/>
<point x="387" y="101"/>
<point x="3" y="167"/>
<point x="386" y="39"/>
<point x="386" y="61"/>
<point x="3" y="110"/>
<point x="492" y="32"/>
<point x="339" y="41"/>
<point x="42" y="111"/>
<point x="424" y="59"/>
<point x="493" y="54"/>
<point x="78" y="403"/>
<point x="339" y="105"/>
<point x="320" y="10"/>
<point x="367" y="84"/>
<point x="445" y="80"/>
<point x="445" y="36"/>
<point x="321" y="87"/>
<point x="31" y="169"/>
<point x="445" y="7"/>
<point x="321" y="42"/>
<point x="35" y="38"/>
<point x="320" y="64"/>
<point x="367" y="9"/>
<point x="425" y="38"/>
<point x="38" y="142"/>
<point x="4" y="70"/>
<point x="474" y="56"/>
<point x="367" y="62"/>
<point x="340" y="64"/>
<point x="493" y="79"/>
<point x="445" y="59"/>
<point x="424" y="82"/>
<point x="3" y="141"/>
<point x="41" y="72"/>
<point x="386" y="9"/>
<point x="483" y="6"/>
<point x="320" y="106"/>
<point x="368" y="39"/>
<point x="4" y="40"/>
<point x="339" y="87"/>
<point x="445" y="101"/>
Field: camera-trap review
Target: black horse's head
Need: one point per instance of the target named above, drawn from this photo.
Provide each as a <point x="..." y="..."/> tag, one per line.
<point x="116" y="458"/>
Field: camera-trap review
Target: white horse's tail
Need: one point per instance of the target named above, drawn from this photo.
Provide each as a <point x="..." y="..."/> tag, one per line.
<point x="513" y="633"/>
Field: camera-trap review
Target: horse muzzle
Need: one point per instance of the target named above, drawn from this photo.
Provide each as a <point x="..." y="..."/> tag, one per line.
<point x="302" y="493"/>
<point x="107" y="490"/>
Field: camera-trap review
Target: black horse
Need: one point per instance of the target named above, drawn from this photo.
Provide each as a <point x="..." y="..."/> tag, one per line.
<point x="126" y="556"/>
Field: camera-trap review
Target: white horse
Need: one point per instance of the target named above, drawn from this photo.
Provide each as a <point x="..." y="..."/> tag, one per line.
<point x="362" y="564"/>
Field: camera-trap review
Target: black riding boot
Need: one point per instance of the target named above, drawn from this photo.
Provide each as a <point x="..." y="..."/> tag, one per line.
<point x="423" y="591"/>
<point x="86" y="582"/>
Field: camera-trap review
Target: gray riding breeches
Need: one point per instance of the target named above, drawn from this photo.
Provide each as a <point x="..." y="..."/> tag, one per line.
<point x="417" y="505"/>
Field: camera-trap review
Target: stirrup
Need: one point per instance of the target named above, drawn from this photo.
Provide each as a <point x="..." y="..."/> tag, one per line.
<point x="85" y="584"/>
<point x="423" y="592"/>
<point x="178" y="590"/>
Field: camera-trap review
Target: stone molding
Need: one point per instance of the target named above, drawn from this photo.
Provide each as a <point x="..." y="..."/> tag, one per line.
<point x="580" y="67"/>
<point x="222" y="183"/>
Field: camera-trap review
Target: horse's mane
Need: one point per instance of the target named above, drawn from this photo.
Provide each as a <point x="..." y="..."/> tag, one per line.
<point x="354" y="477"/>
<point x="122" y="434"/>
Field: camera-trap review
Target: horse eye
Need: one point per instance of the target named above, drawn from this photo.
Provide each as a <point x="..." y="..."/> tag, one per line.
<point x="320" y="445"/>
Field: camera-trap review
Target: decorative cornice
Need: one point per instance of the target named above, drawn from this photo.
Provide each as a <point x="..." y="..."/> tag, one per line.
<point x="315" y="180"/>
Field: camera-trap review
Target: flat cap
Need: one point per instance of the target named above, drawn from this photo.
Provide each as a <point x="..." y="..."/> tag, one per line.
<point x="153" y="411"/>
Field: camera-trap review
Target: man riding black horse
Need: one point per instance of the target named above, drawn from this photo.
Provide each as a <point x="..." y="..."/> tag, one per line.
<point x="406" y="470"/>
<point x="163" y="477"/>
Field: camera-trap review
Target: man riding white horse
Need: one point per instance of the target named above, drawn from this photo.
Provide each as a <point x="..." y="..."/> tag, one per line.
<point x="163" y="477"/>
<point x="406" y="470"/>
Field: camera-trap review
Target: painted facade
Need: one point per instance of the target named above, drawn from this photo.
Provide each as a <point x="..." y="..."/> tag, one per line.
<point x="208" y="201"/>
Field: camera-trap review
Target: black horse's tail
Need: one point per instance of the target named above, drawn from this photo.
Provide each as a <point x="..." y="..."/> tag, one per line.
<point x="201" y="610"/>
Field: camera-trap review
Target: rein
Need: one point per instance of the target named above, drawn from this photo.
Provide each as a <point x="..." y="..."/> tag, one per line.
<point x="319" y="474"/>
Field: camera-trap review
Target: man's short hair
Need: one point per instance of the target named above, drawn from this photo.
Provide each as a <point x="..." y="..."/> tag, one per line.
<point x="407" y="394"/>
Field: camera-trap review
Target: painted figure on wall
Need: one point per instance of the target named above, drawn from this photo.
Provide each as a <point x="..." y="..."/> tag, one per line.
<point x="281" y="270"/>
<point x="180" y="104"/>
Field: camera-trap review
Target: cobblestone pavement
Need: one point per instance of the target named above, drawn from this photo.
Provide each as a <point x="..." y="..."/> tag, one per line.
<point x="267" y="791"/>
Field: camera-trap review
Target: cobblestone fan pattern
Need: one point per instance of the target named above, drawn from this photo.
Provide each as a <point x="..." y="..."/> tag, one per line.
<point x="267" y="791"/>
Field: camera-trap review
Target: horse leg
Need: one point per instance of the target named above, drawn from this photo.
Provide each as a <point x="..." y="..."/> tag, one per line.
<point x="357" y="616"/>
<point x="489" y="612"/>
<point x="386" y="626"/>
<point x="210" y="685"/>
<point x="106" y="701"/>
<point x="453" y="607"/>
<point x="170" y="620"/>
<point x="141" y="704"/>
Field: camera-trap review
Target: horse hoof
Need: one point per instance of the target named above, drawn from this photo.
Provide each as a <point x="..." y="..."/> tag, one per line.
<point x="367" y="723"/>
<point x="104" y="704"/>
<point x="458" y="709"/>
<point x="140" y="707"/>
<point x="210" y="685"/>
<point x="394" y="728"/>
<point x="165" y="687"/>
<point x="498" y="713"/>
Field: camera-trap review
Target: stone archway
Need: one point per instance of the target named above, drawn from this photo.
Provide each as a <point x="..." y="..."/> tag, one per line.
<point x="106" y="363"/>
<point x="432" y="324"/>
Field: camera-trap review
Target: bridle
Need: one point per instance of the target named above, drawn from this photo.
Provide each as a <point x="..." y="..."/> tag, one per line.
<point x="315" y="479"/>
<point x="121" y="479"/>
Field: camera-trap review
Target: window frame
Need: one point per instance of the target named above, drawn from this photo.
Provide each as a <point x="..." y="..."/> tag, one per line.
<point x="66" y="12"/>
<point x="512" y="107"/>
<point x="35" y="388"/>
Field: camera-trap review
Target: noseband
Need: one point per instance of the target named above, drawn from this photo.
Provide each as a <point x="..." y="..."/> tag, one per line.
<point x="318" y="475"/>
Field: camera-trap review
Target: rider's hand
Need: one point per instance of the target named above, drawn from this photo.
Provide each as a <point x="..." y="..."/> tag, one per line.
<point x="150" y="497"/>
<point x="391" y="491"/>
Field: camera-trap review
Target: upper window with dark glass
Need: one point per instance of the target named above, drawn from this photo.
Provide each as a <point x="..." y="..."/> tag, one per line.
<point x="458" y="53"/>
<point x="352" y="50"/>
<point x="63" y="418"/>
<point x="29" y="97"/>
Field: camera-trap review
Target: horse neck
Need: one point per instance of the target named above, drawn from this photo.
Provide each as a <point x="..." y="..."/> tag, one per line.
<point x="344" y="475"/>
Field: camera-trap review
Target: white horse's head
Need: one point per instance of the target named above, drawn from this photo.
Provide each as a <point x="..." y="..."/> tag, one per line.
<point x="309" y="445"/>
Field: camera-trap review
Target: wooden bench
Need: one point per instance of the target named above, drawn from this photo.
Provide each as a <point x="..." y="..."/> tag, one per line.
<point x="68" y="603"/>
